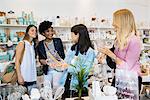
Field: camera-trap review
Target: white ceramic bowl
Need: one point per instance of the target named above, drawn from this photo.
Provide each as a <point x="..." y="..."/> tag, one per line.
<point x="109" y="90"/>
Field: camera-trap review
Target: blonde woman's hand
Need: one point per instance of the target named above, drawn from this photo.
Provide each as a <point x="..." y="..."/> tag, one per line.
<point x="101" y="58"/>
<point x="111" y="54"/>
<point x="107" y="52"/>
<point x="20" y="80"/>
<point x="103" y="50"/>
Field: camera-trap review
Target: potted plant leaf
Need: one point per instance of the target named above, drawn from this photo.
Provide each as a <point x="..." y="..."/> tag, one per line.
<point x="81" y="74"/>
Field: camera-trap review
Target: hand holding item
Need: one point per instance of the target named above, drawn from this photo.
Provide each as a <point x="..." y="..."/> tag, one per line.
<point x="64" y="65"/>
<point x="54" y="64"/>
<point x="107" y="52"/>
<point x="110" y="54"/>
<point x="101" y="58"/>
<point x="100" y="45"/>
<point x="104" y="50"/>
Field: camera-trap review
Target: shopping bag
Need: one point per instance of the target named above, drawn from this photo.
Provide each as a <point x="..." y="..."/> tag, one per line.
<point x="127" y="84"/>
<point x="9" y="75"/>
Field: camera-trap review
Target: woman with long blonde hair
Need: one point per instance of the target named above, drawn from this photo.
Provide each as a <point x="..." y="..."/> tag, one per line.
<point x="127" y="43"/>
<point x="124" y="24"/>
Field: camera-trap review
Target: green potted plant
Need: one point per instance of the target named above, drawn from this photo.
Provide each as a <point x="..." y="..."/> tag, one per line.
<point x="82" y="76"/>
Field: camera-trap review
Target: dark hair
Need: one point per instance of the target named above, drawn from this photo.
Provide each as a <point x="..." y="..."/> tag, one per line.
<point x="26" y="37"/>
<point x="84" y="41"/>
<point x="44" y="26"/>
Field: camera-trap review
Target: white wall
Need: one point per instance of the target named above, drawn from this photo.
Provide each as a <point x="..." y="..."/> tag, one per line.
<point x="149" y="11"/>
<point x="84" y="8"/>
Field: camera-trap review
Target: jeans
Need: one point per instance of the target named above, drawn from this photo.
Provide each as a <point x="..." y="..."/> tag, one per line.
<point x="54" y="78"/>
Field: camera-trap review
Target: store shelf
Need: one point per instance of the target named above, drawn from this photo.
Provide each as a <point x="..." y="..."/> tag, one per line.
<point x="11" y="25"/>
<point x="66" y="41"/>
<point x="91" y="27"/>
<point x="87" y="27"/>
<point x="3" y="65"/>
<point x="101" y="27"/>
<point x="145" y="78"/>
<point x="144" y="28"/>
<point x="7" y="43"/>
<point x="146" y="45"/>
<point x="146" y="37"/>
<point x="61" y="26"/>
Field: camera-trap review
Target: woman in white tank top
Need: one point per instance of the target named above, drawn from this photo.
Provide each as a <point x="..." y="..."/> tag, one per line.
<point x="25" y="58"/>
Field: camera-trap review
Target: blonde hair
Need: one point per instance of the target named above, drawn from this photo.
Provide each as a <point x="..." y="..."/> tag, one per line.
<point x="124" y="20"/>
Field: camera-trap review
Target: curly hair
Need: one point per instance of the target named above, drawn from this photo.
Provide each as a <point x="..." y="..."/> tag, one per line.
<point x="44" y="26"/>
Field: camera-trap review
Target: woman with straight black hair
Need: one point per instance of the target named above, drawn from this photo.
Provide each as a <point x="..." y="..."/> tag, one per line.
<point x="81" y="49"/>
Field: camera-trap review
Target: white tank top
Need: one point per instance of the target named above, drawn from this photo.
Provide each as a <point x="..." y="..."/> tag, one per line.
<point x="28" y="65"/>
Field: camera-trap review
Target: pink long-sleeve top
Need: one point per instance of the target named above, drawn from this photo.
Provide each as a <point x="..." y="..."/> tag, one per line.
<point x="130" y="55"/>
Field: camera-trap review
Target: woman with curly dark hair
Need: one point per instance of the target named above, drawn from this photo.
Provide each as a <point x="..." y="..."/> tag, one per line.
<point x="50" y="48"/>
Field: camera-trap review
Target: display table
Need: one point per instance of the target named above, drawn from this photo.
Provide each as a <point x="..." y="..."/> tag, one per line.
<point x="85" y="98"/>
<point x="88" y="98"/>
